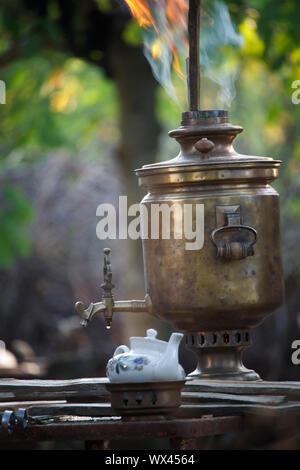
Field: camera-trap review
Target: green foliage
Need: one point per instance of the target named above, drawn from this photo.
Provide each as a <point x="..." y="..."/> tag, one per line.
<point x="61" y="105"/>
<point x="15" y="213"/>
<point x="104" y="5"/>
<point x="132" y="34"/>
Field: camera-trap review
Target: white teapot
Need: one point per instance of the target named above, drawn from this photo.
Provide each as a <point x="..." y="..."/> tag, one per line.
<point x="148" y="360"/>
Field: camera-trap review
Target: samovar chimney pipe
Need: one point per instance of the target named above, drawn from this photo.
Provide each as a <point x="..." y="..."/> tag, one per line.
<point x="193" y="61"/>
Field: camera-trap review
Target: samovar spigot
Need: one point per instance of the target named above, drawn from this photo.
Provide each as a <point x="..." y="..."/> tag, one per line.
<point x="107" y="287"/>
<point x="108" y="306"/>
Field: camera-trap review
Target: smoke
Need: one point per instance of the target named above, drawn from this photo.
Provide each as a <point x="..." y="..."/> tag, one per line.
<point x="161" y="65"/>
<point x="166" y="46"/>
<point x="218" y="39"/>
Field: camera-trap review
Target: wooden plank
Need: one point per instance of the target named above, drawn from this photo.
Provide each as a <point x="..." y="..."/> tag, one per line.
<point x="39" y="389"/>
<point x="202" y="397"/>
<point x="230" y="409"/>
<point x="76" y="409"/>
<point x="290" y="389"/>
<point x="12" y="405"/>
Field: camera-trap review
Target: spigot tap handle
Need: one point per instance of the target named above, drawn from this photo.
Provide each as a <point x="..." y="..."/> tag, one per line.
<point x="107" y="284"/>
<point x="108" y="306"/>
<point x="107" y="303"/>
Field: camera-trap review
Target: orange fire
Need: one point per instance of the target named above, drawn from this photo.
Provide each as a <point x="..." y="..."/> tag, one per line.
<point x="141" y="11"/>
<point x="175" y="12"/>
<point x="156" y="50"/>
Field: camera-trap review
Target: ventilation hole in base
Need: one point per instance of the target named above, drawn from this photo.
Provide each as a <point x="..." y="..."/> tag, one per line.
<point x="238" y="337"/>
<point x="153" y="398"/>
<point x="247" y="336"/>
<point x="193" y="339"/>
<point x="125" y="398"/>
<point x="226" y="338"/>
<point x="214" y="338"/>
<point x="202" y="339"/>
<point x="139" y="398"/>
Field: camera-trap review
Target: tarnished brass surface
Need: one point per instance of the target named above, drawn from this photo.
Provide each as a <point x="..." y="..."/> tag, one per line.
<point x="235" y="280"/>
<point x="220" y="355"/>
<point x="199" y="291"/>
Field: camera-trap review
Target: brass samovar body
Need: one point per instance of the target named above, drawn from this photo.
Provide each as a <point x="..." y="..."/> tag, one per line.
<point x="215" y="294"/>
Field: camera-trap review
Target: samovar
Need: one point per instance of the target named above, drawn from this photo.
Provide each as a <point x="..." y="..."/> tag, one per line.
<point x="233" y="280"/>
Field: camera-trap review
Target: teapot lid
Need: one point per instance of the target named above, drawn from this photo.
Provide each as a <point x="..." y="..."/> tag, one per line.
<point x="151" y="335"/>
<point x="149" y="340"/>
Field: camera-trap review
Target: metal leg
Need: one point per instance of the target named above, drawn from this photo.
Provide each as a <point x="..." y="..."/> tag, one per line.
<point x="183" y="444"/>
<point x="97" y="445"/>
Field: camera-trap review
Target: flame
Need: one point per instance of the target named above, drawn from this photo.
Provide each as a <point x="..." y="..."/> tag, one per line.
<point x="156" y="50"/>
<point x="176" y="12"/>
<point x="175" y="63"/>
<point x="141" y="12"/>
<point x="169" y="32"/>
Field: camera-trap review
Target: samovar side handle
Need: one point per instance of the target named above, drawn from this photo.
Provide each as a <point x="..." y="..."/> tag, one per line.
<point x="234" y="250"/>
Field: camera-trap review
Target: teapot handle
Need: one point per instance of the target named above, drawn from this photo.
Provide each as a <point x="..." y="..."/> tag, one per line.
<point x="121" y="349"/>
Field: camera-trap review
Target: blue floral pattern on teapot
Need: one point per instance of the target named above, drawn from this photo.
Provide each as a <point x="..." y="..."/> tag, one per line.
<point x="126" y="362"/>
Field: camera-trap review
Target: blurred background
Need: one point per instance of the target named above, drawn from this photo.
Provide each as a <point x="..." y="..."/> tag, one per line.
<point x="82" y="111"/>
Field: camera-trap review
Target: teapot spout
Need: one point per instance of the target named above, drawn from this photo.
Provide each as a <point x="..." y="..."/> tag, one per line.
<point x="174" y="341"/>
<point x="168" y="366"/>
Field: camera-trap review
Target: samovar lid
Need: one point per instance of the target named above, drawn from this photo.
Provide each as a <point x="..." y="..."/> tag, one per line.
<point x="207" y="154"/>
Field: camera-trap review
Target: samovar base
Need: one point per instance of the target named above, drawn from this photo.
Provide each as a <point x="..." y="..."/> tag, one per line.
<point x="220" y="355"/>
